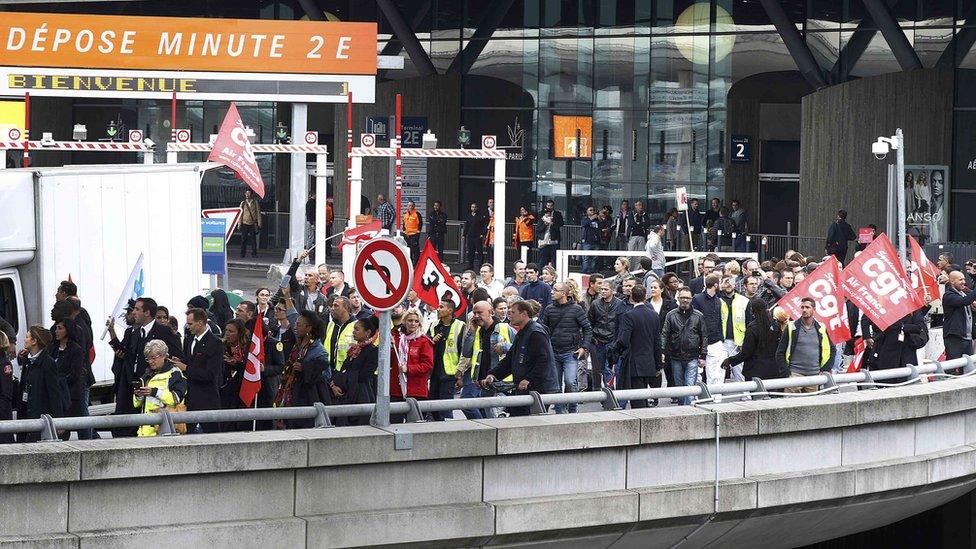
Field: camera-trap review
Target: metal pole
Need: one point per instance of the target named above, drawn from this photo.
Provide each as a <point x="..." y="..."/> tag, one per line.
<point x="349" y="209"/>
<point x="26" y="162"/>
<point x="381" y="413"/>
<point x="691" y="239"/>
<point x="399" y="165"/>
<point x="499" y="215"/>
<point x="321" y="201"/>
<point x="900" y="166"/>
<point x="892" y="210"/>
<point x="172" y="119"/>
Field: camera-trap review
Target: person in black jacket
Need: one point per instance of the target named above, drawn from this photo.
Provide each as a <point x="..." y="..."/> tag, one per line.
<point x="72" y="369"/>
<point x="548" y="233"/>
<point x="957" y="319"/>
<point x="38" y="381"/>
<point x="685" y="340"/>
<point x="203" y="366"/>
<point x="6" y="385"/>
<point x="895" y="346"/>
<point x="758" y="351"/>
<point x="529" y="360"/>
<point x="437" y="227"/>
<point x="603" y="314"/>
<point x="352" y="384"/>
<point x="640" y="223"/>
<point x="639" y="347"/>
<point x="475" y="226"/>
<point x="570" y="338"/>
<point x="839" y="234"/>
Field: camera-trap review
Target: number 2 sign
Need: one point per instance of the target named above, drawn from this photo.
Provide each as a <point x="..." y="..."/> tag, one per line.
<point x="740" y="149"/>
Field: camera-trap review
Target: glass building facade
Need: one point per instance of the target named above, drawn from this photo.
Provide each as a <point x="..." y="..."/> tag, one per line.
<point x="635" y="90"/>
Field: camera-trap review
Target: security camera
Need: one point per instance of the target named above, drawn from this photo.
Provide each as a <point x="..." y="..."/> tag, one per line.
<point x="880" y="149"/>
<point x="149" y="143"/>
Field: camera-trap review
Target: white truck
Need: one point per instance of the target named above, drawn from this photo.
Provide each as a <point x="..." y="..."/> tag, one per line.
<point x="91" y="223"/>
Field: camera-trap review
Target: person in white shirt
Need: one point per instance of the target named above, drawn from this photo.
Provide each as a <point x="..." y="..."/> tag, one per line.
<point x="488" y="281"/>
<point x="655" y="249"/>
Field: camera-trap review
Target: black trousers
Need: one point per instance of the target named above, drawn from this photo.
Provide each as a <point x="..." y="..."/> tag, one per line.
<point x="437" y="241"/>
<point x="249" y="234"/>
<point x="642" y="383"/>
<point x="474" y="250"/>
<point x="413" y="242"/>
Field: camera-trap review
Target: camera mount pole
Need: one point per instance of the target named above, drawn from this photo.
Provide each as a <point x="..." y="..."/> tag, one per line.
<point x="902" y="214"/>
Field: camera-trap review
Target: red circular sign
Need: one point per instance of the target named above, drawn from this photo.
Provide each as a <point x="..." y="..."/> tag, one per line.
<point x="135" y="136"/>
<point x="368" y="140"/>
<point x="382" y="274"/>
<point x="183" y="136"/>
<point x="488" y="142"/>
<point x="311" y="138"/>
<point x="13" y="134"/>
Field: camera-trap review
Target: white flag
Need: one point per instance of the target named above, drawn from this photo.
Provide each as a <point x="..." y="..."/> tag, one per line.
<point x="135" y="287"/>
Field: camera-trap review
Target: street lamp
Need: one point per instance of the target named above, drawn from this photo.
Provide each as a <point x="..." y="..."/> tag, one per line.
<point x="880" y="148"/>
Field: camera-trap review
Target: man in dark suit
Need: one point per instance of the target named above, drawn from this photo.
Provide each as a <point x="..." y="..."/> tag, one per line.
<point x="839" y="234"/>
<point x="639" y="346"/>
<point x="697" y="285"/>
<point x="475" y="226"/>
<point x="131" y="360"/>
<point x="205" y="355"/>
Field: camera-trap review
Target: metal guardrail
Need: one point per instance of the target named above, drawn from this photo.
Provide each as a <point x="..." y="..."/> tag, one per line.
<point x="48" y="426"/>
<point x="778" y="244"/>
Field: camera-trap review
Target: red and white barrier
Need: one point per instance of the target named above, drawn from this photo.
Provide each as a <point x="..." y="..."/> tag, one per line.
<point x="429" y="153"/>
<point x="206" y="147"/>
<point x="77" y="146"/>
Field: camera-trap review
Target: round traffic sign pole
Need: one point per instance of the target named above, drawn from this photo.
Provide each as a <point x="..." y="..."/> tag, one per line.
<point x="383" y="273"/>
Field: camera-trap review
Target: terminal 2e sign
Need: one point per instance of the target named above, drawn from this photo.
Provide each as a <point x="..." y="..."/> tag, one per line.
<point x="208" y="59"/>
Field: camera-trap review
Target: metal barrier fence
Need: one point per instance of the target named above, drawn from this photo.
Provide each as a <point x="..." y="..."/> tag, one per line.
<point x="414" y="410"/>
<point x="776" y="245"/>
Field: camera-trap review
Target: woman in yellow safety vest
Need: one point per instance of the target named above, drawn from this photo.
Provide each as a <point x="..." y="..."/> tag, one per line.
<point x="163" y="386"/>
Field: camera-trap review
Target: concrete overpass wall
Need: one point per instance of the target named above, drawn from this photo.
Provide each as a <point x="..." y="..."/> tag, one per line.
<point x="790" y="472"/>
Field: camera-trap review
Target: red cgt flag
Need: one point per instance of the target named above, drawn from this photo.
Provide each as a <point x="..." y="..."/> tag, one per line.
<point x="823" y="285"/>
<point x="925" y="275"/>
<point x="251" y="384"/>
<point x="860" y="348"/>
<point x="361" y="233"/>
<point x="233" y="150"/>
<point x="877" y="283"/>
<point x="432" y="282"/>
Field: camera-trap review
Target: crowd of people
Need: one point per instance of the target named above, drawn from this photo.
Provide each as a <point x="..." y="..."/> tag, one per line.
<point x="641" y="326"/>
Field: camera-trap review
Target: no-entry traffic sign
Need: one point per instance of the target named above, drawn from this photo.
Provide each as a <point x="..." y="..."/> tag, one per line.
<point x="383" y="273"/>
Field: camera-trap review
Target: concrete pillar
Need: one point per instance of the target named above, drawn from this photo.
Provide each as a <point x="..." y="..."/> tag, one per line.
<point x="321" y="199"/>
<point x="356" y="206"/>
<point x="299" y="181"/>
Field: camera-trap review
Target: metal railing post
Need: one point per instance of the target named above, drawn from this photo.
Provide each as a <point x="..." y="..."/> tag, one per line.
<point x="413" y="414"/>
<point x="610" y="402"/>
<point x="322" y="415"/>
<point x="537" y="407"/>
<point x="761" y="388"/>
<point x="49" y="433"/>
<point x="166" y="426"/>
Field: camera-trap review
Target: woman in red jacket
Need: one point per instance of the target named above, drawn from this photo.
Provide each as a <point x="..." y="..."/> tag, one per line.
<point x="411" y="361"/>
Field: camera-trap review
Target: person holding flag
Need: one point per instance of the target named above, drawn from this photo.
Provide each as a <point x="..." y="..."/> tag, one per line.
<point x="805" y="348"/>
<point x="957" y="323"/>
<point x="896" y="346"/>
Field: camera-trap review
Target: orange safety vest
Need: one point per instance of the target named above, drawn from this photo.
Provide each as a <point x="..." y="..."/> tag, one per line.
<point x="411" y="223"/>
<point x="329" y="213"/>
<point x="524" y="231"/>
<point x="490" y="237"/>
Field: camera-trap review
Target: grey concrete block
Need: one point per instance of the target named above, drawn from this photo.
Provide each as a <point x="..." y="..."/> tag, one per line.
<point x="793" y="488"/>
<point x="970" y="421"/>
<point x="683" y="462"/>
<point x="364" y="444"/>
<point x="35" y="463"/>
<point x="680" y="423"/>
<point x="51" y="541"/>
<point x="936" y="433"/>
<point x="952" y="464"/>
<point x="686" y="500"/>
<point x="553" y="474"/>
<point x="805" y="413"/>
<point x="33" y="509"/>
<point x="560" y="512"/>
<point x="387" y="486"/>
<point x="400" y="526"/>
<point x="891" y="475"/>
<point x="789" y="452"/>
<point x="878" y="442"/>
<point x="288" y="532"/>
<point x="553" y="432"/>
<point x="121" y="503"/>
<point x="188" y="455"/>
<point x="951" y="396"/>
<point x="890" y="405"/>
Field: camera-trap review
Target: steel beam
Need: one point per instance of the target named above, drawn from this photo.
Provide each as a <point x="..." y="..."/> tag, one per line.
<point x="960" y="45"/>
<point x="465" y="58"/>
<point x="897" y="41"/>
<point x="794" y="43"/>
<point x="407" y="37"/>
<point x="312" y="10"/>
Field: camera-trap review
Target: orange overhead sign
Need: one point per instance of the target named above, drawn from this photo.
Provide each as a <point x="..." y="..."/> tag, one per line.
<point x="572" y="136"/>
<point x="187" y="44"/>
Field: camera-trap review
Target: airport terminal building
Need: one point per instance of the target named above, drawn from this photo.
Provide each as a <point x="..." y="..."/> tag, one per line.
<point x="773" y="102"/>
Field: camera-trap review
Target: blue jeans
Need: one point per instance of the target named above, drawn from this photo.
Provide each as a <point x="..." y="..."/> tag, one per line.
<point x="740" y="242"/>
<point x="441" y="389"/>
<point x="589" y="261"/>
<point x="602" y="371"/>
<point x="547" y="255"/>
<point x="472" y="390"/>
<point x="685" y="375"/>
<point x="567" y="365"/>
<point x="79" y="408"/>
